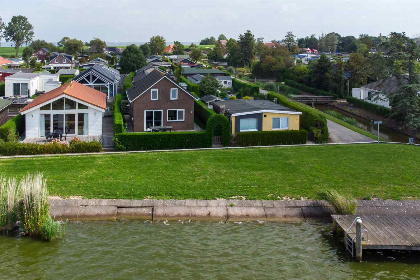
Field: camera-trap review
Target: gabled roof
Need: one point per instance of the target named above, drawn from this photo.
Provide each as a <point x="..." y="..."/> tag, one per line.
<point x="72" y="89"/>
<point x="4" y="61"/>
<point x="21" y="75"/>
<point x="108" y="73"/>
<point x="209" y="98"/>
<point x="224" y="78"/>
<point x="149" y="80"/>
<point x="4" y="103"/>
<point x="141" y="73"/>
<point x="169" y="49"/>
<point x="196" y="79"/>
<point x="68" y="71"/>
<point x="67" y="56"/>
<point x="388" y="85"/>
<point x="193" y="71"/>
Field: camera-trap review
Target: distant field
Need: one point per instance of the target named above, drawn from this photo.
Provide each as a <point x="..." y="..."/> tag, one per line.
<point x="9" y="51"/>
<point x="201" y="46"/>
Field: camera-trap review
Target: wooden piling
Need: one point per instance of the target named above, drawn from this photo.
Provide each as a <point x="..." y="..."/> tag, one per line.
<point x="359" y="239"/>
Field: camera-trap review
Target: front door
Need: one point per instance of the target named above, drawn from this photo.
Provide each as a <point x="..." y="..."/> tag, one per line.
<point x="153" y="118"/>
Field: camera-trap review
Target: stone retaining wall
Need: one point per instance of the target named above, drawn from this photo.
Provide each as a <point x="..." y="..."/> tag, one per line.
<point x="217" y="210"/>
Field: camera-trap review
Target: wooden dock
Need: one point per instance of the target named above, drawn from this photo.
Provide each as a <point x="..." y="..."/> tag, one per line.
<point x="378" y="232"/>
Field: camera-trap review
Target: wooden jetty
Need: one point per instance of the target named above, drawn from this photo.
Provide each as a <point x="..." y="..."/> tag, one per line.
<point x="312" y="99"/>
<point x="378" y="232"/>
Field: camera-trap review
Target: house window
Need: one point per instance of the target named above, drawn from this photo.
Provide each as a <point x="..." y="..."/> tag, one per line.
<point x="20" y="89"/>
<point x="70" y="104"/>
<point x="249" y="124"/>
<point x="82" y="106"/>
<point x="155" y="94"/>
<point x="280" y="123"/>
<point x="82" y="124"/>
<point x="176" y="115"/>
<point x="58" y="104"/>
<point x="153" y="118"/>
<point x="46" y="107"/>
<point x="174" y="93"/>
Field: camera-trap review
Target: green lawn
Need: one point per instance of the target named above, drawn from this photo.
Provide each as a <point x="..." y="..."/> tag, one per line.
<point x="9" y="51"/>
<point x="377" y="170"/>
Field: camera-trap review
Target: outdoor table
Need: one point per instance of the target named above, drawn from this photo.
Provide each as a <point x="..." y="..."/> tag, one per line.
<point x="161" y="128"/>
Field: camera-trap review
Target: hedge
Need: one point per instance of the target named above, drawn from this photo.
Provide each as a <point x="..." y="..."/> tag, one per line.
<point x="307" y="89"/>
<point x="66" y="78"/>
<point x="118" y="118"/>
<point x="237" y="85"/>
<point x="268" y="138"/>
<point x="163" y="140"/>
<point x="377" y="109"/>
<point x="2" y="89"/>
<point x="202" y="114"/>
<point x="219" y="125"/>
<point x="288" y="89"/>
<point x="13" y="126"/>
<point x="13" y="148"/>
<point x="312" y="121"/>
<point x="128" y="81"/>
<point x="191" y="87"/>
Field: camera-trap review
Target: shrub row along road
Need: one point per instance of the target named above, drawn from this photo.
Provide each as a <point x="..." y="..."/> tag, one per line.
<point x="364" y="170"/>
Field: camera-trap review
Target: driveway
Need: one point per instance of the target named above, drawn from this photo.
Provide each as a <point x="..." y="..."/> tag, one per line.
<point x="341" y="134"/>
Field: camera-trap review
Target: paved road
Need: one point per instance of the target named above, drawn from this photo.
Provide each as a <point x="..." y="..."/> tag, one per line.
<point x="341" y="134"/>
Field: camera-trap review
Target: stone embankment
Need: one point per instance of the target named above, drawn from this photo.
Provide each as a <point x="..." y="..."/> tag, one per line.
<point x="217" y="210"/>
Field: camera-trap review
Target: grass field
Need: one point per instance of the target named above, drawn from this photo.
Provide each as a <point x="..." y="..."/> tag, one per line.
<point x="376" y="170"/>
<point x="201" y="46"/>
<point x="9" y="51"/>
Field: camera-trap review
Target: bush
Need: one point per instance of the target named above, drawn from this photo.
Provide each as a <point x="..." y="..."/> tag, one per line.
<point x="268" y="138"/>
<point x="341" y="205"/>
<point x="118" y="118"/>
<point x="219" y="125"/>
<point x="2" y="89"/>
<point x="284" y="89"/>
<point x="310" y="120"/>
<point x="202" y="113"/>
<point x="377" y="109"/>
<point x="307" y="89"/>
<point x="339" y="116"/>
<point x="163" y="140"/>
<point x="128" y="82"/>
<point x="249" y="89"/>
<point x="66" y="78"/>
<point x="192" y="88"/>
<point x="10" y="131"/>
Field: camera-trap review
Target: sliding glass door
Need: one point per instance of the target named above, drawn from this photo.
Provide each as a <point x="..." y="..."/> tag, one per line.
<point x="153" y="118"/>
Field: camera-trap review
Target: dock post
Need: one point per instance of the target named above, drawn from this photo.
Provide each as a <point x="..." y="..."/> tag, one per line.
<point x="335" y="230"/>
<point x="359" y="239"/>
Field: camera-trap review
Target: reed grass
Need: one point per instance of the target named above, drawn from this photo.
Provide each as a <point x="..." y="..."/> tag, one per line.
<point x="341" y="205"/>
<point x="339" y="116"/>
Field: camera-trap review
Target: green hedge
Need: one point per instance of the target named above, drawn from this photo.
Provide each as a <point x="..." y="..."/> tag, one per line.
<point x="2" y="89"/>
<point x="163" y="140"/>
<point x="310" y="120"/>
<point x="219" y="125"/>
<point x="66" y="78"/>
<point x="307" y="89"/>
<point x="267" y="138"/>
<point x="192" y="88"/>
<point x="118" y="118"/>
<point x="238" y="85"/>
<point x="202" y="113"/>
<point x="13" y="148"/>
<point x="377" y="109"/>
<point x="12" y="128"/>
<point x="288" y="90"/>
<point x="128" y="81"/>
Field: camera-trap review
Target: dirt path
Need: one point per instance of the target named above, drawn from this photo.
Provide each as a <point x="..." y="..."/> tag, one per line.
<point x="341" y="134"/>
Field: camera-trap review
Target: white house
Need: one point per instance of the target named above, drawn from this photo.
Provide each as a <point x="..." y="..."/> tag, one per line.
<point x="225" y="81"/>
<point x="70" y="110"/>
<point x="28" y="84"/>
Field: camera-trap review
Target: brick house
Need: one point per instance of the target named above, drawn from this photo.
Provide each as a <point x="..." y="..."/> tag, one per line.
<point x="158" y="101"/>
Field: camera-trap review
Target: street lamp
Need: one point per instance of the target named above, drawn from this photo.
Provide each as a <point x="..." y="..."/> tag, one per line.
<point x="378" y="123"/>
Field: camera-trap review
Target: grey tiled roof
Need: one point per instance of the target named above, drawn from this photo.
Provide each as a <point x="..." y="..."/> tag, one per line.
<point x="143" y="84"/>
<point x="243" y="106"/>
<point x="388" y="85"/>
<point x="111" y="74"/>
<point x="193" y="71"/>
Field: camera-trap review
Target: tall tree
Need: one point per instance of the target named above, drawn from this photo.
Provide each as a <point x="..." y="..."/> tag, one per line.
<point x="209" y="85"/>
<point x="259" y="46"/>
<point x="39" y="44"/>
<point x="157" y="44"/>
<point x="132" y="59"/>
<point x="366" y="39"/>
<point x="247" y="46"/>
<point x="63" y="41"/>
<point x="26" y="55"/>
<point x="217" y="53"/>
<point x="98" y="45"/>
<point x="347" y="44"/>
<point x="196" y="54"/>
<point x="145" y="48"/>
<point x="222" y="37"/>
<point x="320" y="72"/>
<point x="73" y="46"/>
<point x="358" y="68"/>
<point x="178" y="48"/>
<point x="338" y="83"/>
<point x="2" y="26"/>
<point x="19" y="31"/>
<point x="290" y="40"/>
<point x="234" y="53"/>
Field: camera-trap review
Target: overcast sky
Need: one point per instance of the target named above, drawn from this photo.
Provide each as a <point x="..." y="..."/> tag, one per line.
<point x="192" y="20"/>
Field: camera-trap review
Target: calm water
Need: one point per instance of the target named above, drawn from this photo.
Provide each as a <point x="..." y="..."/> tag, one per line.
<point x="127" y="249"/>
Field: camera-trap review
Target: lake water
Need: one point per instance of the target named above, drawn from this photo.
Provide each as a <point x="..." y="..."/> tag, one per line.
<point x="197" y="250"/>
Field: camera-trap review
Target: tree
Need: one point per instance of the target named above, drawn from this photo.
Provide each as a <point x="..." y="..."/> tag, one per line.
<point x="233" y="50"/>
<point x="132" y="58"/>
<point x="63" y="41"/>
<point x="157" y="44"/>
<point x="39" y="44"/>
<point x="217" y="53"/>
<point x="19" y="31"/>
<point x="98" y="45"/>
<point x="196" y="54"/>
<point x="145" y="48"/>
<point x="222" y="37"/>
<point x="2" y="26"/>
<point x="208" y="41"/>
<point x="290" y="41"/>
<point x="358" y="68"/>
<point x="338" y="83"/>
<point x="247" y="45"/>
<point x="26" y="55"/>
<point x="32" y="63"/>
<point x="192" y="46"/>
<point x="320" y="73"/>
<point x="347" y="44"/>
<point x="259" y="46"/>
<point x="366" y="39"/>
<point x="178" y="48"/>
<point x="209" y="85"/>
<point x="73" y="46"/>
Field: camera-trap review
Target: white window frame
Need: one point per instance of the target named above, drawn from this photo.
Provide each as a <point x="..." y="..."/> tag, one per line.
<point x="177" y="110"/>
<point x="246" y="130"/>
<point x="157" y="94"/>
<point x="145" y="112"/>
<point x="280" y="128"/>
<point x="176" y="94"/>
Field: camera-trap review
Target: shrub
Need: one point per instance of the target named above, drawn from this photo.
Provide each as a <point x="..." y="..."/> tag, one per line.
<point x="310" y="120"/>
<point x="230" y="70"/>
<point x="307" y="89"/>
<point x="2" y="89"/>
<point x="192" y="88"/>
<point x="202" y="113"/>
<point x="163" y="140"/>
<point x="11" y="130"/>
<point x="128" y="82"/>
<point x="232" y="97"/>
<point x="284" y="89"/>
<point x="54" y="147"/>
<point x="339" y="116"/>
<point x="66" y="78"/>
<point x="377" y="109"/>
<point x="267" y="138"/>
<point x="250" y="89"/>
<point x="219" y="125"/>
<point x="118" y="118"/>
<point x="341" y="205"/>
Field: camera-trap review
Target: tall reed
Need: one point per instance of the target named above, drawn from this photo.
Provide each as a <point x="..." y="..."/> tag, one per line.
<point x="341" y="205"/>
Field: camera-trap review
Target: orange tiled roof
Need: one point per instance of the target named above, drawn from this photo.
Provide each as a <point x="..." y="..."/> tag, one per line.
<point x="72" y="89"/>
<point x="4" y="61"/>
<point x="169" y="49"/>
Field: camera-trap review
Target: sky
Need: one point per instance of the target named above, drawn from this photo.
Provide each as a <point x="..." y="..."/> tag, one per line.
<point x="193" y="20"/>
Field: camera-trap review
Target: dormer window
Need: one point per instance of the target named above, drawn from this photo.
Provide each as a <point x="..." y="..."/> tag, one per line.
<point x="155" y="94"/>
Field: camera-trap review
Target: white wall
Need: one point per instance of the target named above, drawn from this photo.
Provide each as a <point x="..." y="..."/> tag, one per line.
<point x="32" y="124"/>
<point x="95" y="122"/>
<point x="32" y="85"/>
<point x="376" y="97"/>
